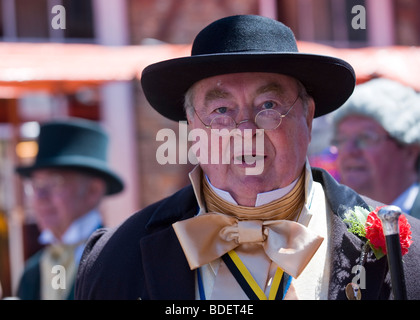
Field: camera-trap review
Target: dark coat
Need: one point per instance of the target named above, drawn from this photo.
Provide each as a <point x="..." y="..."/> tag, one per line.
<point x="142" y="258"/>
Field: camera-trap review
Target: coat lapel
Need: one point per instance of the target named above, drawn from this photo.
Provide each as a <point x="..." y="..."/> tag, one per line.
<point x="345" y="260"/>
<point x="346" y="247"/>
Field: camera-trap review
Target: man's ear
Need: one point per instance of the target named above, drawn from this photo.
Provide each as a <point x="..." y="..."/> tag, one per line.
<point x="96" y="190"/>
<point x="413" y="156"/>
<point x="190" y="117"/>
<point x="310" y="112"/>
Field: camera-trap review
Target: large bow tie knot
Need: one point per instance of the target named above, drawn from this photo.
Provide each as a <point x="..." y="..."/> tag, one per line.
<point x="246" y="231"/>
<point x="207" y="237"/>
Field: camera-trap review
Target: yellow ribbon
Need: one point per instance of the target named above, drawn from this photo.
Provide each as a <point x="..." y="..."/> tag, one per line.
<point x="251" y="281"/>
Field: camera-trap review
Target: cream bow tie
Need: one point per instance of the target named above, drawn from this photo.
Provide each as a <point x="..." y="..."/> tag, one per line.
<point x="207" y="237"/>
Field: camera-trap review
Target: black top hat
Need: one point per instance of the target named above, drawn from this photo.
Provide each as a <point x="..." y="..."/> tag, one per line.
<point x="76" y="144"/>
<point x="246" y="43"/>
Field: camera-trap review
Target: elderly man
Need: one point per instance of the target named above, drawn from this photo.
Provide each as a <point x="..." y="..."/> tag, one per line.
<point x="231" y="234"/>
<point x="67" y="182"/>
<point x="377" y="135"/>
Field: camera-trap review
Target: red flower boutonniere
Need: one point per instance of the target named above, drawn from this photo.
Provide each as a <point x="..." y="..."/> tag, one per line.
<point x="368" y="225"/>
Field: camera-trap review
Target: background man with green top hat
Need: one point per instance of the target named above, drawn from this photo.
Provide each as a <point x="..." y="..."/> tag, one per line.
<point x="67" y="181"/>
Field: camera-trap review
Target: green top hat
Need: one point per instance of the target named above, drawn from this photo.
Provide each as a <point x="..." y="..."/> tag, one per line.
<point x="76" y="144"/>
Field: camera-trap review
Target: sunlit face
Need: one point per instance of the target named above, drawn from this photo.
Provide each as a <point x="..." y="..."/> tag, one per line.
<point x="242" y="96"/>
<point x="370" y="161"/>
<point x="60" y="196"/>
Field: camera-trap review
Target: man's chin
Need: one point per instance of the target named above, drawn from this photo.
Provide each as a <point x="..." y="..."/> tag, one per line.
<point x="355" y="181"/>
<point x="252" y="166"/>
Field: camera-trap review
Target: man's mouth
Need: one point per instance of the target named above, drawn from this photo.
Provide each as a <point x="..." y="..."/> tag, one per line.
<point x="248" y="159"/>
<point x="354" y="168"/>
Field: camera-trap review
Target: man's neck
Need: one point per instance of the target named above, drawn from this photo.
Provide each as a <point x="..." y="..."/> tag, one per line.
<point x="255" y="201"/>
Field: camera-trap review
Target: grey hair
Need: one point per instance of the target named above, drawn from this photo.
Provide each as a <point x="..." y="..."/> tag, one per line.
<point x="304" y="95"/>
<point x="188" y="102"/>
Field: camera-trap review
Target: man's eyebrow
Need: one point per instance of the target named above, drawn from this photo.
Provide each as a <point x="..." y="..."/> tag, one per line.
<point x="216" y="93"/>
<point x="271" y="87"/>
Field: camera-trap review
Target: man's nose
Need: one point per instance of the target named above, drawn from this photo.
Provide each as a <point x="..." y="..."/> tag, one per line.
<point x="246" y="124"/>
<point x="246" y="119"/>
<point x="248" y="128"/>
<point x="41" y="192"/>
<point x="351" y="145"/>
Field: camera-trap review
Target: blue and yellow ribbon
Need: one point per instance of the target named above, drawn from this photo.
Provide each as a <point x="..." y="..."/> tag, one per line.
<point x="247" y="281"/>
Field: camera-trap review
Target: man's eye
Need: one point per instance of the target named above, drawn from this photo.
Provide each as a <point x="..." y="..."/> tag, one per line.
<point x="221" y="110"/>
<point x="268" y="105"/>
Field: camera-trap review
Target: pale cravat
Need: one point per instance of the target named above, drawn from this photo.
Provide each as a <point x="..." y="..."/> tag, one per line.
<point x="57" y="285"/>
<point x="65" y="252"/>
<point x="207" y="237"/>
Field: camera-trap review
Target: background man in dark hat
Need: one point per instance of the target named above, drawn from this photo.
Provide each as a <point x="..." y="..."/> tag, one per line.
<point x="231" y="235"/>
<point x="67" y="182"/>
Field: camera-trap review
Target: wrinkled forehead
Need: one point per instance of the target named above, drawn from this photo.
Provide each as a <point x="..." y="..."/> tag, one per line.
<point x="223" y="86"/>
<point x="46" y="173"/>
<point x="358" y="123"/>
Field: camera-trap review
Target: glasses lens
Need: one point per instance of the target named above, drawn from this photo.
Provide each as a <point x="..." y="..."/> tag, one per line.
<point x="364" y="141"/>
<point x="268" y="119"/>
<point x="41" y="186"/>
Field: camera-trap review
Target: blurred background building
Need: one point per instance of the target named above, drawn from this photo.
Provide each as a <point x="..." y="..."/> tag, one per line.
<point x="91" y="68"/>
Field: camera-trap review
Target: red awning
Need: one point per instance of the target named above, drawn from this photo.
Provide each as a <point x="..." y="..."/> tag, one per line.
<point x="58" y="67"/>
<point x="398" y="63"/>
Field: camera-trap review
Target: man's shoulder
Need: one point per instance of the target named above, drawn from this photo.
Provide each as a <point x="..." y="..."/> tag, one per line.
<point x="106" y="246"/>
<point x="29" y="282"/>
<point x="158" y="215"/>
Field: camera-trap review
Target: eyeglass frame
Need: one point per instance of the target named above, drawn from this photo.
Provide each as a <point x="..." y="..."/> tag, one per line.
<point x="357" y="141"/>
<point x="209" y="126"/>
<point x="51" y="185"/>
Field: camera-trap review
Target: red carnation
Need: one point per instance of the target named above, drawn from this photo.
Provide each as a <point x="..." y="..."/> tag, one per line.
<point x="405" y="234"/>
<point x="375" y="233"/>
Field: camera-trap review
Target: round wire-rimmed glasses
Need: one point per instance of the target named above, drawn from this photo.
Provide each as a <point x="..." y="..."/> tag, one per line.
<point x="364" y="141"/>
<point x="267" y="119"/>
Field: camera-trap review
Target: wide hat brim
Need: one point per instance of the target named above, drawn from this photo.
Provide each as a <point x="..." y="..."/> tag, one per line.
<point x="88" y="165"/>
<point x="329" y="80"/>
<point x="246" y="43"/>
